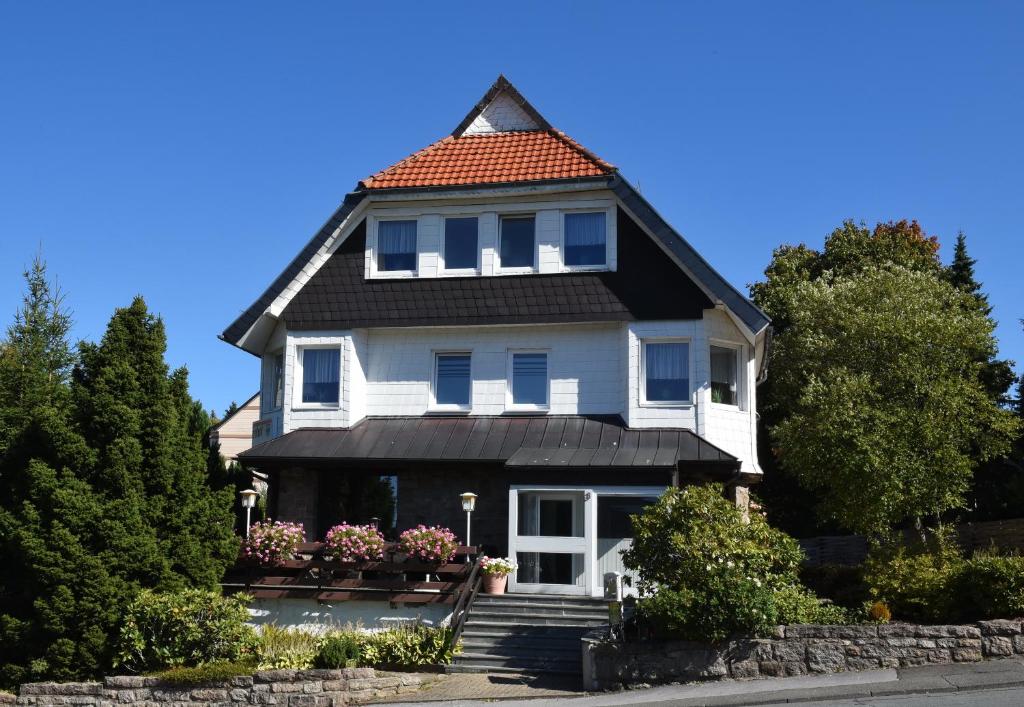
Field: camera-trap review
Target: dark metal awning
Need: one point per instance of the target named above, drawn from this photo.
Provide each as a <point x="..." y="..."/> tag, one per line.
<point x="548" y="441"/>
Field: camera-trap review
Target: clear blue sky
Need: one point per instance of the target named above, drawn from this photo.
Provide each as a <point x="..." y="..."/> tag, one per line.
<point x="186" y="151"/>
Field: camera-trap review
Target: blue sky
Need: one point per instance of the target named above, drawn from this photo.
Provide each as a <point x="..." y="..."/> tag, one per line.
<point x="186" y="151"/>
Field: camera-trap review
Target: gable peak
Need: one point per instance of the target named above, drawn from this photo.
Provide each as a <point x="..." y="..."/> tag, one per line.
<point x="502" y="109"/>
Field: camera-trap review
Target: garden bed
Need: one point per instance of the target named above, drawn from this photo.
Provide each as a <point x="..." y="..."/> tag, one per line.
<point x="796" y="650"/>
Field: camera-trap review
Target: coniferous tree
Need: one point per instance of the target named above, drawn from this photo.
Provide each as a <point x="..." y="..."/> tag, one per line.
<point x="996" y="374"/>
<point x="103" y="487"/>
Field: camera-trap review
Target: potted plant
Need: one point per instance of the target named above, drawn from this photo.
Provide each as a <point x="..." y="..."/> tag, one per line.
<point x="354" y="543"/>
<point x="272" y="542"/>
<point x="496" y="571"/>
<point x="431" y="545"/>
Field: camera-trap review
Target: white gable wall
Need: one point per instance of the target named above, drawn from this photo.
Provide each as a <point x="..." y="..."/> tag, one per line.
<point x="502" y="114"/>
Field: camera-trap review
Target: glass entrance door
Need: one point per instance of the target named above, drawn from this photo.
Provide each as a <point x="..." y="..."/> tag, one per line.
<point x="550" y="541"/>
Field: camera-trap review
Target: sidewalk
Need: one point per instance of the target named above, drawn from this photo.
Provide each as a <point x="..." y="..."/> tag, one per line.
<point x="472" y="690"/>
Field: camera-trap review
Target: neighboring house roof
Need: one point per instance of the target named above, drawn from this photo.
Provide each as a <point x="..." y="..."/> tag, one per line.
<point x="502" y="138"/>
<point x="494" y="158"/>
<point x="646" y="285"/>
<point x="550" y="441"/>
<point x="236" y="413"/>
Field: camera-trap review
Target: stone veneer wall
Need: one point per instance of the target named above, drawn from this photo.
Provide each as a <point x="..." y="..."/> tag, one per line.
<point x="797" y="650"/>
<point x="287" y="688"/>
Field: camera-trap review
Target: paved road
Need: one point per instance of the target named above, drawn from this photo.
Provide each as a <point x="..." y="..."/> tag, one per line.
<point x="1012" y="697"/>
<point x="999" y="683"/>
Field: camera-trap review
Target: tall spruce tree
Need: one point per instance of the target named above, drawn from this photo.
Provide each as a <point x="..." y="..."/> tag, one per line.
<point x="103" y="489"/>
<point x="996" y="374"/>
<point x="147" y="432"/>
<point x="58" y="596"/>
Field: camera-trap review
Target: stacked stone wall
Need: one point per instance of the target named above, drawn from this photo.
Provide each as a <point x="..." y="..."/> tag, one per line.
<point x="797" y="650"/>
<point x="285" y="688"/>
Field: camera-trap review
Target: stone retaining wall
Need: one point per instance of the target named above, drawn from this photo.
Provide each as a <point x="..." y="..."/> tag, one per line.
<point x="287" y="688"/>
<point x="796" y="650"/>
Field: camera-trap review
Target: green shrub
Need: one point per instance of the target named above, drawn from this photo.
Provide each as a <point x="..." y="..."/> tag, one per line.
<point x="287" y="648"/>
<point x="210" y="672"/>
<point x="917" y="581"/>
<point x="990" y="587"/>
<point x="407" y="646"/>
<point x="338" y="650"/>
<point x="707" y="572"/>
<point x="842" y="584"/>
<point x="186" y="628"/>
<point x="798" y="605"/>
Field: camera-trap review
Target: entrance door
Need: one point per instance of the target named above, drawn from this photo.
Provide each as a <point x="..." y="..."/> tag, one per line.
<point x="550" y="542"/>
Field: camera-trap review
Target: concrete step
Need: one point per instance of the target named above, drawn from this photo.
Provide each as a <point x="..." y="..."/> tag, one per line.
<point x="598" y="612"/>
<point x="528" y="647"/>
<point x="520" y="599"/>
<point x="526" y="626"/>
<point x="489" y="663"/>
<point x="481" y="616"/>
<point x="485" y="668"/>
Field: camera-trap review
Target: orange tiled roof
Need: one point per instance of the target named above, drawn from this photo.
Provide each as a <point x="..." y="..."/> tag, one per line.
<point x="492" y="158"/>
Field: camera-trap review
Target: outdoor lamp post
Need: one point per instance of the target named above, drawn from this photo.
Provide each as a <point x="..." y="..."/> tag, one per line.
<point x="248" y="503"/>
<point x="468" y="504"/>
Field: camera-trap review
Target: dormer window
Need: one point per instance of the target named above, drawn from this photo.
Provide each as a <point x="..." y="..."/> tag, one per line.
<point x="585" y="238"/>
<point x="461" y="243"/>
<point x="517" y="243"/>
<point x="396" y="246"/>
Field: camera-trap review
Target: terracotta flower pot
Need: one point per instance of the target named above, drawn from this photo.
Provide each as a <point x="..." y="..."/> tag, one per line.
<point x="495" y="583"/>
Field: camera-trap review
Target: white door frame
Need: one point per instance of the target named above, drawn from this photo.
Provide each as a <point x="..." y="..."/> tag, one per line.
<point x="586" y="545"/>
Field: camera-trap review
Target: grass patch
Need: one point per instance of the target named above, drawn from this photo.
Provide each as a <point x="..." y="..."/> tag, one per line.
<point x="211" y="672"/>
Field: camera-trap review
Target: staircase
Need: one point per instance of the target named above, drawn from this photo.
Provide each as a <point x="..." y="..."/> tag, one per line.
<point x="519" y="633"/>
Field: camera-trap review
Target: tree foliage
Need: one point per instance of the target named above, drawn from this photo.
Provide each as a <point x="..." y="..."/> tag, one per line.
<point x="798" y="276"/>
<point x="885" y="412"/>
<point x="103" y="486"/>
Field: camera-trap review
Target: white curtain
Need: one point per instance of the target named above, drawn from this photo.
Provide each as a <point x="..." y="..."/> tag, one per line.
<point x="396" y="237"/>
<point x="668" y="361"/>
<point x="584" y="229"/>
<point x="321" y="366"/>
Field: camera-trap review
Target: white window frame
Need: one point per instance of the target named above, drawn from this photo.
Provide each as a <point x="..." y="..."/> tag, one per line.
<point x="517" y="270"/>
<point x="592" y="583"/>
<point x="737" y="350"/>
<point x="604" y="267"/>
<point x="510" y="404"/>
<point x="442" y="265"/>
<point x="644" y="402"/>
<point x="375" y="271"/>
<point x="297" y="377"/>
<point x="434" y="405"/>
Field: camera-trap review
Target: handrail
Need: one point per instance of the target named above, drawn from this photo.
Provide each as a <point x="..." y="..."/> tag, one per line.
<point x="465" y="602"/>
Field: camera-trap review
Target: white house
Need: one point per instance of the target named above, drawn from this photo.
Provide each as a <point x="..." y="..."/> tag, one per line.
<point x="502" y="313"/>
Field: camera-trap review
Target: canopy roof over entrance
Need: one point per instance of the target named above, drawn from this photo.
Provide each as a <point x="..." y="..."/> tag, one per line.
<point x="549" y="441"/>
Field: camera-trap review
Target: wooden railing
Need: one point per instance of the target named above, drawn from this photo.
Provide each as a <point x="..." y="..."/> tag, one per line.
<point x="464" y="603"/>
<point x="395" y="579"/>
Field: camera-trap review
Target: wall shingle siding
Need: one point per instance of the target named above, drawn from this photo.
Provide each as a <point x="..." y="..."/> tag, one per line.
<point x="647" y="285"/>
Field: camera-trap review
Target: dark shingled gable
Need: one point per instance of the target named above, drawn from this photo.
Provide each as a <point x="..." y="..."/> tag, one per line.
<point x="646" y="286"/>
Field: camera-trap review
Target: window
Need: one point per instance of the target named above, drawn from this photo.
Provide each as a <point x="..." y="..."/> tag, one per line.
<point x="529" y="385"/>
<point x="321" y="376"/>
<point x="723" y="375"/>
<point x="585" y="238"/>
<point x="517" y="242"/>
<point x="277" y="381"/>
<point x="452" y="381"/>
<point x="396" y="245"/>
<point x="460" y="243"/>
<point x="667" y="372"/>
